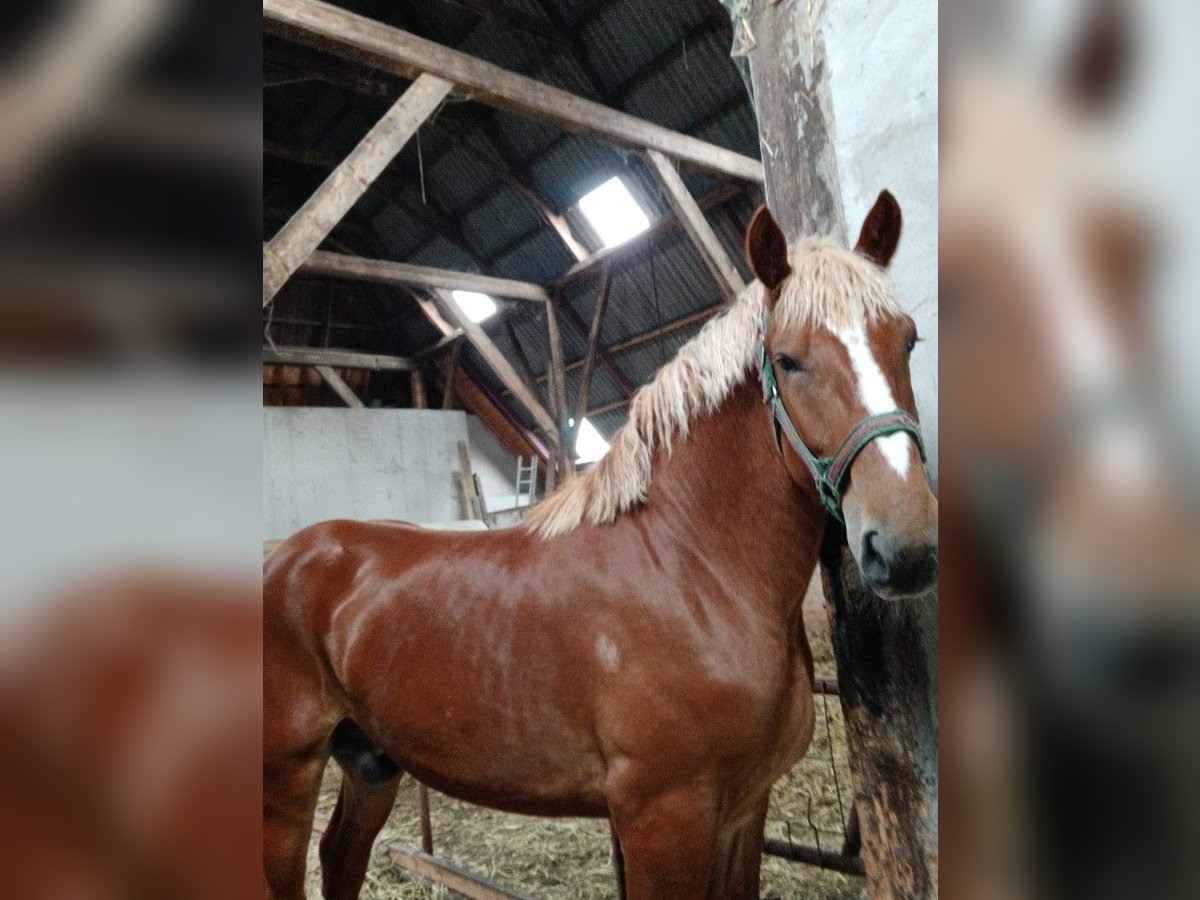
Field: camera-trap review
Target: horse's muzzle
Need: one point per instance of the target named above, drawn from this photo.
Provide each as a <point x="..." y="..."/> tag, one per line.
<point x="895" y="571"/>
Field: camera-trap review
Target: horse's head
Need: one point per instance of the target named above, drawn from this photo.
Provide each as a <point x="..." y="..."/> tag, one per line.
<point x="836" y="376"/>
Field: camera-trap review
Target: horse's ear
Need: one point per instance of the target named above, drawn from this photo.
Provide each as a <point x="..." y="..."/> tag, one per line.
<point x="881" y="231"/>
<point x="767" y="250"/>
<point x="1097" y="66"/>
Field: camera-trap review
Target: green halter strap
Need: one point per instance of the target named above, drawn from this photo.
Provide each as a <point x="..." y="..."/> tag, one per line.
<point x="829" y="472"/>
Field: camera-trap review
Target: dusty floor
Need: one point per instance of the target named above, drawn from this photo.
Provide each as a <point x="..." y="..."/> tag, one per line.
<point x="557" y="858"/>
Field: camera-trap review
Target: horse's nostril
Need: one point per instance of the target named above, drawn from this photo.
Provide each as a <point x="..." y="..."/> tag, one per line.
<point x="874" y="563"/>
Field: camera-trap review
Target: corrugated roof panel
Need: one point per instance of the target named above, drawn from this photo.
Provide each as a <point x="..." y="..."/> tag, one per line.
<point x="540" y="259"/>
<point x="499" y="221"/>
<point x="622" y="38"/>
<point x="456" y="178"/>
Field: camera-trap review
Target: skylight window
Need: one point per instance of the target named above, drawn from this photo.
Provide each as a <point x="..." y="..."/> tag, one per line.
<point x="589" y="446"/>
<point x="613" y="214"/>
<point x="475" y="306"/>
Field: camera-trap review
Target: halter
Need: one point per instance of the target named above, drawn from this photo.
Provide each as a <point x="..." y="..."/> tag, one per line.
<point x="828" y="472"/>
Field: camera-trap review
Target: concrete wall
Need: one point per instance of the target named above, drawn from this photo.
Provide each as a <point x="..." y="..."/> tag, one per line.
<point x="372" y="464"/>
<point x="883" y="71"/>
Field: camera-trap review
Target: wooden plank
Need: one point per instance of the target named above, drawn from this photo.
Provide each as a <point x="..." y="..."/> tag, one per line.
<point x="335" y="381"/>
<point x="311" y="224"/>
<point x="383" y="271"/>
<point x="495" y="359"/>
<point x="390" y="49"/>
<point x="419" y="399"/>
<point x="589" y="361"/>
<point x="441" y="872"/>
<point x="342" y="359"/>
<point x="696" y="226"/>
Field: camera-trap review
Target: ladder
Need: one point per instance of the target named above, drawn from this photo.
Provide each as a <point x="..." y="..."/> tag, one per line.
<point x="526" y="481"/>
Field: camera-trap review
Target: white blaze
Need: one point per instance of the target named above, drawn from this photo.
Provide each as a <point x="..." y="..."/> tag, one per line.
<point x="876" y="396"/>
<point x="608" y="653"/>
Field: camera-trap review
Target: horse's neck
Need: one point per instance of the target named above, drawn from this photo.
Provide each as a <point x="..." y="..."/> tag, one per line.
<point x="725" y="489"/>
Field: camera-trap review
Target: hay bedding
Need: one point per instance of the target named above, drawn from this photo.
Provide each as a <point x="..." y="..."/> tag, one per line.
<point x="557" y="858"/>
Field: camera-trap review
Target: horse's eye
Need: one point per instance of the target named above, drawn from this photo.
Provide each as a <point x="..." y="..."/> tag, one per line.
<point x="787" y="363"/>
<point x="912" y="343"/>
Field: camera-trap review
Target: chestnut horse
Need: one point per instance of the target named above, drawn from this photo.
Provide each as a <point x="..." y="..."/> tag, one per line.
<point x="635" y="650"/>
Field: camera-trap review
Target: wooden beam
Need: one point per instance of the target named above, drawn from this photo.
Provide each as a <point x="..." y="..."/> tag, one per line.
<point x="648" y="237"/>
<point x="419" y="398"/>
<point x="335" y="381"/>
<point x="558" y="392"/>
<point x="589" y="361"/>
<point x="342" y="359"/>
<point x="495" y="359"/>
<point x="347" y="183"/>
<point x="449" y="875"/>
<point x="451" y="375"/>
<point x="398" y="196"/>
<point x="382" y="271"/>
<point x="692" y="217"/>
<point x="392" y="50"/>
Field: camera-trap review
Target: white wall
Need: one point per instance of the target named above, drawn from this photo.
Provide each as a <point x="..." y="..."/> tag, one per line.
<point x="323" y="463"/>
<point x="883" y="70"/>
<point x="358" y="463"/>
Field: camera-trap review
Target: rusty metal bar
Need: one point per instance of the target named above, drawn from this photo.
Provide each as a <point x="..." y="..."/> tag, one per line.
<point x="837" y="862"/>
<point x="426" y="822"/>
<point x="825" y="685"/>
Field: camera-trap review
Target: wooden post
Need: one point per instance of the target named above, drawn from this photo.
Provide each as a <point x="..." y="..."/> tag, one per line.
<point x="888" y="673"/>
<point x="696" y="226"/>
<point x="335" y="381"/>
<point x="589" y="362"/>
<point x="419" y="400"/>
<point x="347" y="183"/>
<point x="558" y="392"/>
<point x="451" y="375"/>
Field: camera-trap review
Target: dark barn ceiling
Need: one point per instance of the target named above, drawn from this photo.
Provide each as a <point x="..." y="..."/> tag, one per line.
<point x="464" y="194"/>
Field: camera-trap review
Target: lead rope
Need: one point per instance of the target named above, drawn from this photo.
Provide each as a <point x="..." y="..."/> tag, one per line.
<point x="832" y="544"/>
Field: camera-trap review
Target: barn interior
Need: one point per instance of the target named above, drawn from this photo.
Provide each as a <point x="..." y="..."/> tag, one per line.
<point x="502" y="194"/>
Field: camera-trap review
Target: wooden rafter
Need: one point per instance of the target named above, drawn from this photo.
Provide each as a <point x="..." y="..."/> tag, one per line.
<point x="589" y="361"/>
<point x="491" y="354"/>
<point x="342" y="359"/>
<point x="692" y="217"/>
<point x="382" y="271"/>
<point x="392" y="49"/>
<point x="339" y="386"/>
<point x="304" y="232"/>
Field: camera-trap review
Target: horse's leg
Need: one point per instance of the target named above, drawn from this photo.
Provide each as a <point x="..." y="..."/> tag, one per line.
<point x="669" y="845"/>
<point x="363" y="807"/>
<point x="289" y="800"/>
<point x="618" y="859"/>
<point x="741" y="858"/>
<point x="296" y="729"/>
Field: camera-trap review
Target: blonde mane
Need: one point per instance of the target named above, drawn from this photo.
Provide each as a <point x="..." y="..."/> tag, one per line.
<point x="829" y="285"/>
